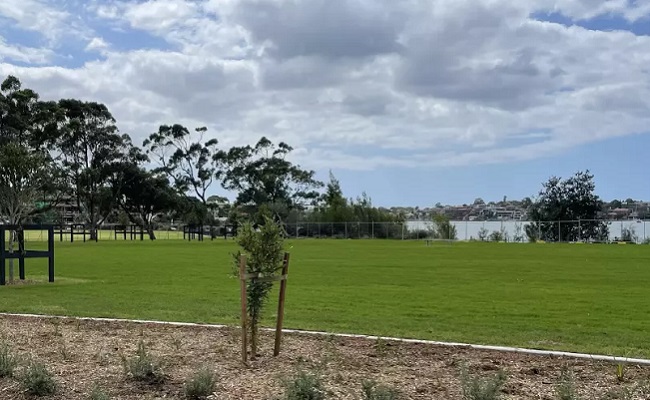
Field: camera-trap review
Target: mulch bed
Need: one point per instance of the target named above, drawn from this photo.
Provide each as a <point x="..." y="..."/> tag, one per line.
<point x="82" y="354"/>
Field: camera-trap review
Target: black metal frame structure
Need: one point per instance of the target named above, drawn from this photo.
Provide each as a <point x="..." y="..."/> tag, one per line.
<point x="75" y="230"/>
<point x="23" y="253"/>
<point x="132" y="230"/>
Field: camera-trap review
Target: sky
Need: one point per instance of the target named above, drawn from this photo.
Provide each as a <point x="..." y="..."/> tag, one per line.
<point x="412" y="101"/>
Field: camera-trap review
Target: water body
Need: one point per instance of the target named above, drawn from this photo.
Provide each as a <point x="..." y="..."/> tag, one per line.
<point x="467" y="230"/>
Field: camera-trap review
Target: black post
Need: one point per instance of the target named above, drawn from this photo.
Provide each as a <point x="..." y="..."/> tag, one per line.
<point x="3" y="280"/>
<point x="50" y="250"/>
<point x="20" y="234"/>
<point x="71" y="233"/>
<point x="21" y="267"/>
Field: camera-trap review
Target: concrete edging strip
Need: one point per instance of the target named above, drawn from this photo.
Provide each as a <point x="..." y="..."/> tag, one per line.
<point x="592" y="357"/>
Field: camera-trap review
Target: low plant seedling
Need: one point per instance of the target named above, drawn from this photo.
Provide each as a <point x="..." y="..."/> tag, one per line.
<point x="143" y="367"/>
<point x="374" y="391"/>
<point x="381" y="347"/>
<point x="476" y="388"/>
<point x="304" y="387"/>
<point x="565" y="390"/>
<point x="64" y="351"/>
<point x="98" y="394"/>
<point x="177" y="342"/>
<point x="200" y="385"/>
<point x="8" y="361"/>
<point x="620" y="372"/>
<point x="37" y="380"/>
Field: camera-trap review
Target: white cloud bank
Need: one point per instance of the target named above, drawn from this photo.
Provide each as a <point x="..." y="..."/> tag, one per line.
<point x="448" y="82"/>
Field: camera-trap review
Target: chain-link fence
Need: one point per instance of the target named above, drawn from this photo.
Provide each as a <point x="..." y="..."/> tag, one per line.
<point x="636" y="231"/>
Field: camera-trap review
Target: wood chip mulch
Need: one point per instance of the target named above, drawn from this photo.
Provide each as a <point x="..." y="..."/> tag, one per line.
<point x="82" y="354"/>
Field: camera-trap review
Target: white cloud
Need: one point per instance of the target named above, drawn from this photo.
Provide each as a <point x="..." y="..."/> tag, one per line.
<point x="23" y="54"/>
<point x="360" y="84"/>
<point x="97" y="44"/>
<point x="43" y="16"/>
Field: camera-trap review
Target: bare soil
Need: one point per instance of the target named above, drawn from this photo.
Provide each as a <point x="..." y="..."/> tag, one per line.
<point x="82" y="354"/>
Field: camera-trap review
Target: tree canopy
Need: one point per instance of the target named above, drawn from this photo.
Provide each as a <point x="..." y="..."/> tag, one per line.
<point x="262" y="174"/>
<point x="569" y="200"/>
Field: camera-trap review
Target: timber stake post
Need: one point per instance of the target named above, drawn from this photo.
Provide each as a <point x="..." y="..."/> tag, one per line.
<point x="283" y="291"/>
<point x="242" y="277"/>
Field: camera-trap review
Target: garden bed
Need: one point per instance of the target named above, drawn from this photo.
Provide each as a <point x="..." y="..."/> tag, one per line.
<point x="83" y="354"/>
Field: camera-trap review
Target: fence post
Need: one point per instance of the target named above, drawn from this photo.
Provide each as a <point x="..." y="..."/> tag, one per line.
<point x="3" y="278"/>
<point x="559" y="230"/>
<point x="50" y="249"/>
<point x="579" y="230"/>
<point x="373" y="229"/>
<point x="539" y="230"/>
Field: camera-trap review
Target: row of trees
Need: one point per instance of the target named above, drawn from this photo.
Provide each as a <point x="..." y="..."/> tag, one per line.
<point x="72" y="149"/>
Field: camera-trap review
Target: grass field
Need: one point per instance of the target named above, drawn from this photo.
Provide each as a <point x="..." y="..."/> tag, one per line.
<point x="591" y="298"/>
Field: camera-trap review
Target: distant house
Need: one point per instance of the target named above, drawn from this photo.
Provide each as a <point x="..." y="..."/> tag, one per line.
<point x="620" y="213"/>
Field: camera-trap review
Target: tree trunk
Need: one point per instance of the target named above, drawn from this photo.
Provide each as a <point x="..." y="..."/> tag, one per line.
<point x="93" y="231"/>
<point x="254" y="332"/>
<point x="151" y="233"/>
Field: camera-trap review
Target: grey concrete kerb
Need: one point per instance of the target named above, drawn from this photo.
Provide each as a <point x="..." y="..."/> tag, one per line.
<point x="592" y="357"/>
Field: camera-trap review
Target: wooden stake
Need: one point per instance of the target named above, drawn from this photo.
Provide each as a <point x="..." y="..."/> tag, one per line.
<point x="283" y="289"/>
<point x="242" y="274"/>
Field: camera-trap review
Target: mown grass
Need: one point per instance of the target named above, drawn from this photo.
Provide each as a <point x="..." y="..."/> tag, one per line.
<point x="566" y="297"/>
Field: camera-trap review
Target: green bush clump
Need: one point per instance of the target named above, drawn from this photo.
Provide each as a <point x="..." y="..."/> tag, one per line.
<point x="37" y="380"/>
<point x="143" y="367"/>
<point x="374" y="391"/>
<point x="304" y="387"/>
<point x="200" y="385"/>
<point x="8" y="361"/>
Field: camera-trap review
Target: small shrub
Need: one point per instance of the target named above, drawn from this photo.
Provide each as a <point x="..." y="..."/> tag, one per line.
<point x="646" y="240"/>
<point x="442" y="228"/>
<point x="499" y="236"/>
<point x="476" y="388"/>
<point x="8" y="361"/>
<point x="483" y="234"/>
<point x="418" y="234"/>
<point x="373" y="391"/>
<point x="98" y="394"/>
<point x="519" y="236"/>
<point x="628" y="234"/>
<point x="143" y="367"/>
<point x="201" y="385"/>
<point x="37" y="380"/>
<point x="304" y="387"/>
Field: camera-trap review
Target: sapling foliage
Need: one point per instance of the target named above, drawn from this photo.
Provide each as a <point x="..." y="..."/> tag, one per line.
<point x="264" y="250"/>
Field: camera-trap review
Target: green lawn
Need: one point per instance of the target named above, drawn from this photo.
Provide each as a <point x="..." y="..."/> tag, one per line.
<point x="592" y="298"/>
